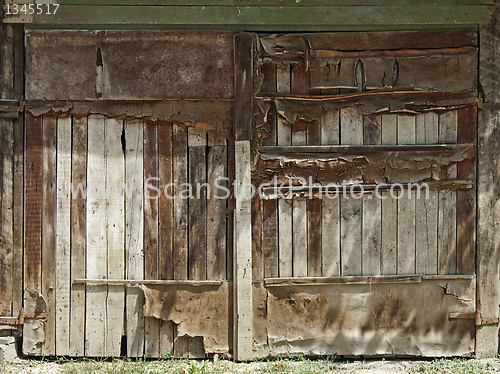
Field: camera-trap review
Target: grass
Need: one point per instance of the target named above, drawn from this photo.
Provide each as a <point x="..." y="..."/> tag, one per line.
<point x="299" y="365"/>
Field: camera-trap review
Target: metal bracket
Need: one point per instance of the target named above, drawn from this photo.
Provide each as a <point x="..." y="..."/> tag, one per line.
<point x="13" y="321"/>
<point x="476" y="316"/>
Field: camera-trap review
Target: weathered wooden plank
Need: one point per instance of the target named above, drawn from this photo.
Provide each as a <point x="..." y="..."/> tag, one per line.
<point x="180" y="213"/>
<point x="273" y="264"/>
<point x="351" y="208"/>
<point x="49" y="211"/>
<point x="426" y="209"/>
<point x="97" y="264"/>
<point x="372" y="208"/>
<point x="165" y="228"/>
<point x="447" y="216"/>
<point x="230" y="211"/>
<point x="255" y="15"/>
<point x="115" y="239"/>
<point x="78" y="236"/>
<point x="284" y="227"/>
<point x="243" y="86"/>
<point x="389" y="206"/>
<point x="258" y="239"/>
<point x="466" y="200"/>
<point x="406" y="206"/>
<point x="63" y="237"/>
<point x="134" y="235"/>
<point x="33" y="225"/>
<point x="243" y="307"/>
<point x="152" y="327"/>
<point x="488" y="204"/>
<point x="330" y="221"/>
<point x="298" y="86"/>
<point x="197" y="249"/>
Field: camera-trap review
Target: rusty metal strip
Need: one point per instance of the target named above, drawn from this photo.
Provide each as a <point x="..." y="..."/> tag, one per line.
<point x="476" y="316"/>
<point x="490" y="106"/>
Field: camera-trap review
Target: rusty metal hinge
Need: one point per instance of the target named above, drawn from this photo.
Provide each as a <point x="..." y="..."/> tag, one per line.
<point x="13" y="321"/>
<point x="476" y="316"/>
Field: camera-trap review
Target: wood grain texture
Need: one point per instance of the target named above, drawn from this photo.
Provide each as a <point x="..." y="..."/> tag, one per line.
<point x="488" y="204"/>
<point x="372" y="208"/>
<point x="180" y="214"/>
<point x="426" y="209"/>
<point x="33" y="222"/>
<point x="351" y="209"/>
<point x="152" y="327"/>
<point x="165" y="229"/>
<point x="78" y="236"/>
<point x="330" y="210"/>
<point x="243" y="85"/>
<point x="257" y="240"/>
<point x="63" y="237"/>
<point x="49" y="212"/>
<point x="406" y="206"/>
<point x="115" y="235"/>
<point x="447" y="230"/>
<point x="134" y="235"/>
<point x="97" y="264"/>
<point x="466" y="200"/>
<point x="389" y="206"/>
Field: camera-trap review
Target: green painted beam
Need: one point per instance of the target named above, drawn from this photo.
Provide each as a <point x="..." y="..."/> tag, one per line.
<point x="261" y="17"/>
<point x="276" y="2"/>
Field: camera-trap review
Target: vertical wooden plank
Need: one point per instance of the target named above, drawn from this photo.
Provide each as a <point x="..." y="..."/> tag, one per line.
<point x="49" y="231"/>
<point x="180" y="238"/>
<point x="216" y="214"/>
<point x="6" y="225"/>
<point x="152" y="327"/>
<point x="314" y="234"/>
<point x="330" y="221"/>
<point x="372" y="208"/>
<point x="243" y="86"/>
<point x="243" y="256"/>
<point x="165" y="228"/>
<point x="299" y="206"/>
<point x="426" y="210"/>
<point x="63" y="237"/>
<point x="115" y="220"/>
<point x="97" y="263"/>
<point x="351" y="132"/>
<point x="257" y="240"/>
<point x="33" y="228"/>
<point x="447" y="217"/>
<point x="285" y="235"/>
<point x="230" y="213"/>
<point x="197" y="250"/>
<point x="134" y="235"/>
<point x="273" y="264"/>
<point x="78" y="236"/>
<point x="488" y="204"/>
<point x="269" y="85"/>
<point x="466" y="200"/>
<point x="406" y="207"/>
<point x="389" y="205"/>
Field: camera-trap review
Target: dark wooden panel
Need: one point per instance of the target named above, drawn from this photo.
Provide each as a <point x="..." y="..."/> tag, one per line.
<point x="33" y="205"/>
<point x="243" y="84"/>
<point x="61" y="65"/>
<point x="174" y="64"/>
<point x="466" y="200"/>
<point x="257" y="241"/>
<point x="270" y="237"/>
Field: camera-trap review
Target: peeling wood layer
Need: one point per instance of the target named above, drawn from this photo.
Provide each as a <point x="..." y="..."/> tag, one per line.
<point x="34" y="329"/>
<point x="206" y="115"/>
<point x="129" y="64"/>
<point x="443" y="69"/>
<point x="362" y="167"/>
<point x="371" y="319"/>
<point x="203" y="311"/>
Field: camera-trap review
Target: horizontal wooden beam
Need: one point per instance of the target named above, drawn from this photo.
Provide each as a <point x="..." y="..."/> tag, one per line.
<point x="324" y="281"/>
<point x="360" y="149"/>
<point x="262" y="16"/>
<point x="144" y="281"/>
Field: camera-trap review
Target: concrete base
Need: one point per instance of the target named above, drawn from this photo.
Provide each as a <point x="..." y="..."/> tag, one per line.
<point x="8" y="350"/>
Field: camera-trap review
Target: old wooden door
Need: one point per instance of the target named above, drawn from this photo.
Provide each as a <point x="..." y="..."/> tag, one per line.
<point x="365" y="274"/>
<point x="116" y="124"/>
